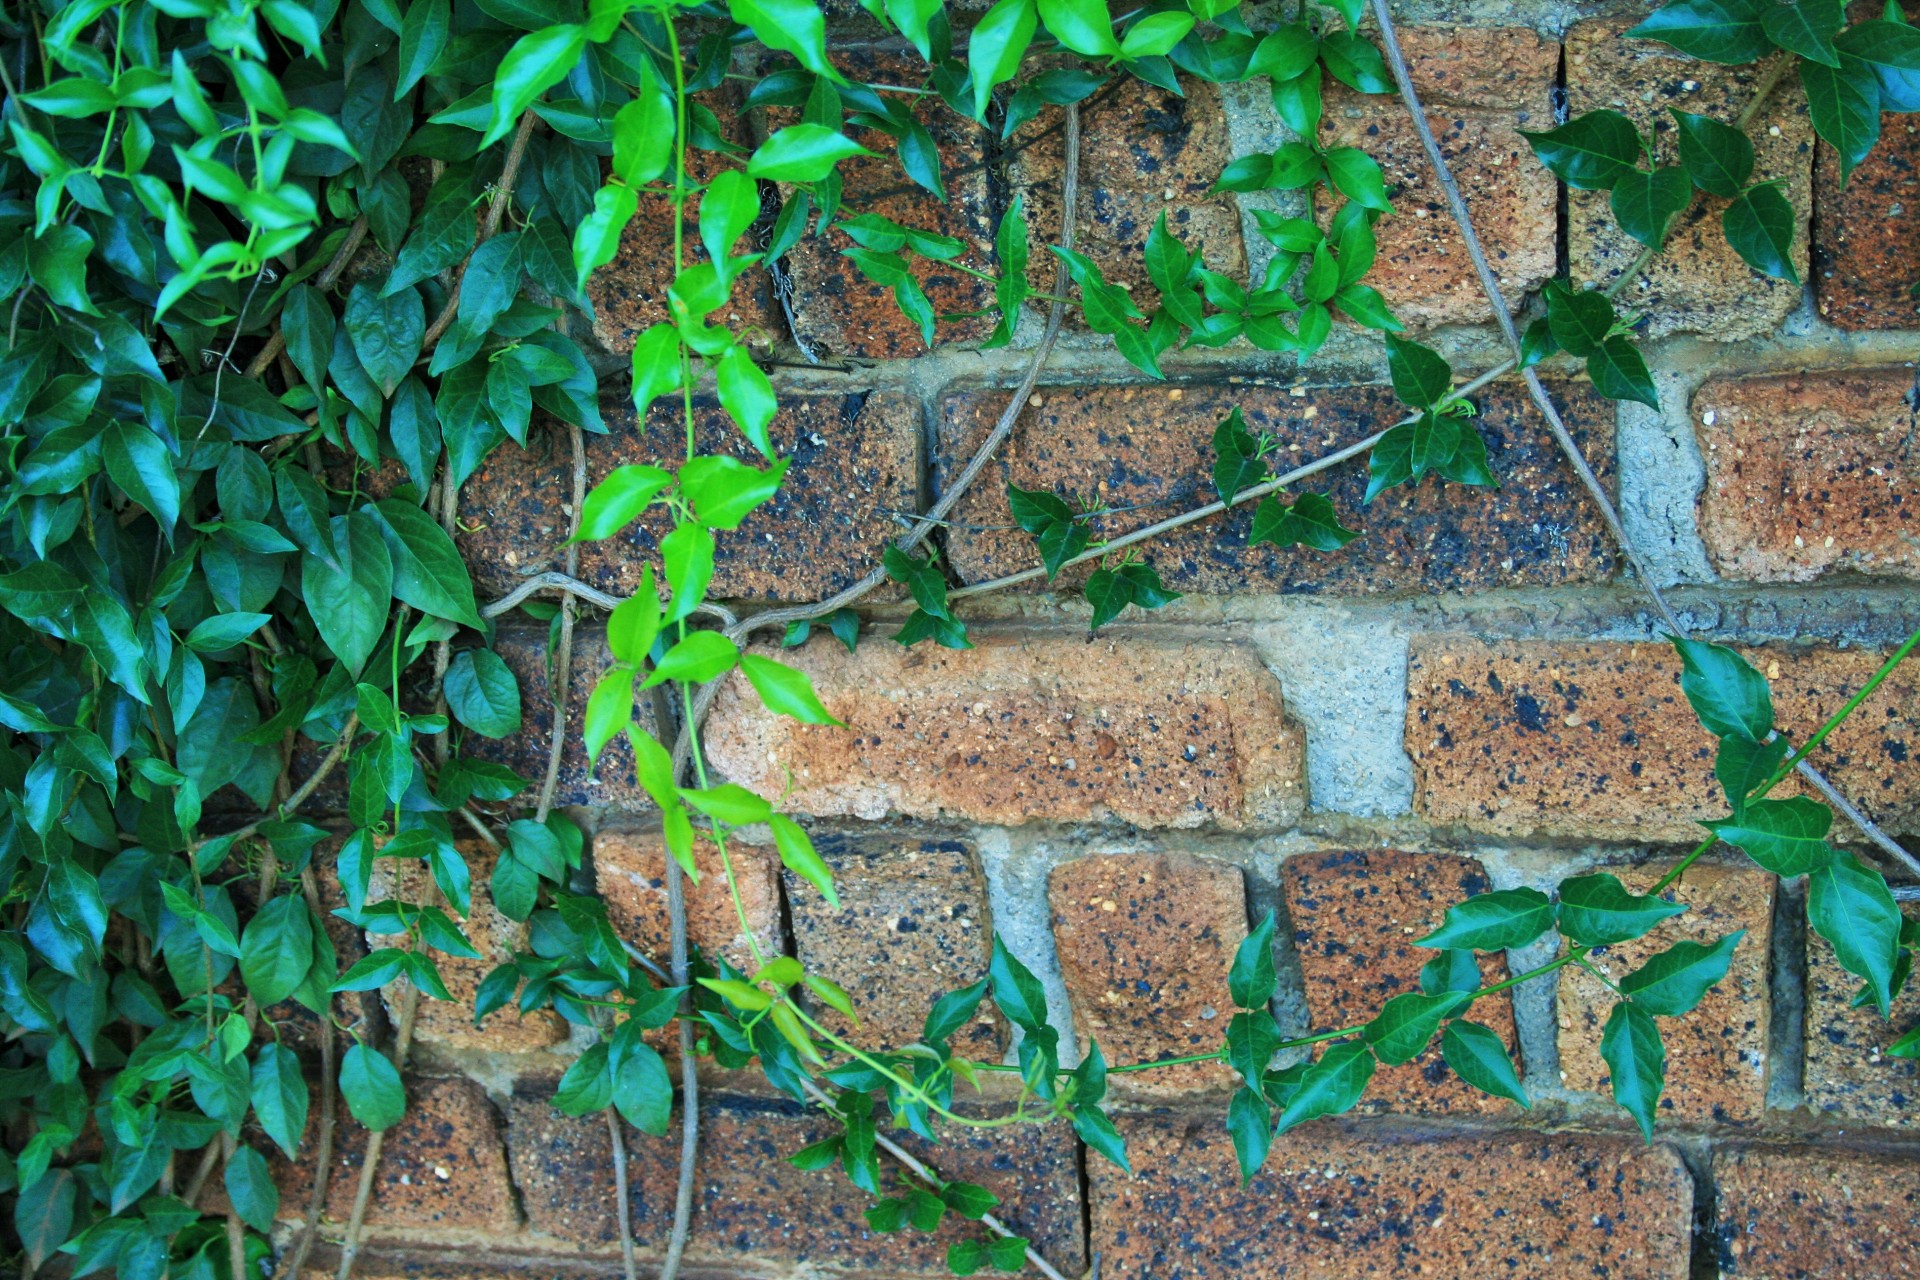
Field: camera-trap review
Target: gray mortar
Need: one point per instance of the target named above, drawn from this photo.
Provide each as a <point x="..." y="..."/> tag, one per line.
<point x="1016" y="864"/>
<point x="1661" y="476"/>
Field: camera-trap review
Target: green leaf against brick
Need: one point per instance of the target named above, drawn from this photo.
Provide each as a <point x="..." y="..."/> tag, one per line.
<point x="1454" y="969"/>
<point x="1597" y="910"/>
<point x="1016" y="992"/>
<point x="1237" y="463"/>
<point x="1636" y="1062"/>
<point x="1592" y="151"/>
<point x="1759" y="226"/>
<point x="921" y="577"/>
<point x="1353" y="61"/>
<point x="1718" y="157"/>
<point x="250" y="1188"/>
<point x="1495" y="921"/>
<point x="1892" y="49"/>
<point x="1645" y="204"/>
<point x="1252" y="1040"/>
<point x="1805" y="27"/>
<point x="1309" y="521"/>
<point x="1250" y="1126"/>
<point x="1724" y="31"/>
<point x="279" y="1095"/>
<point x="1099" y="1133"/>
<point x="1843" y="101"/>
<point x="1849" y="905"/>
<point x="1579" y="319"/>
<point x="483" y="693"/>
<point x="1743" y="767"/>
<point x="1729" y="696"/>
<point x="1674" y="981"/>
<point x="1786" y="837"/>
<point x="1436" y="438"/>
<point x="1406" y="1024"/>
<point x="372" y="1088"/>
<point x="1478" y="1056"/>
<point x="1251" y="979"/>
<point x="1390" y="462"/>
<point x="1010" y="288"/>
<point x="1111" y="590"/>
<point x="1332" y="1085"/>
<point x="1421" y="376"/>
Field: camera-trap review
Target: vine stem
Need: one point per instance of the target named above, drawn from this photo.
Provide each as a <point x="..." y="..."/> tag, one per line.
<point x="1609" y="514"/>
<point x="370" y="1161"/>
<point x="295" y="1263"/>
<point x="329" y="276"/>
<point x="496" y="213"/>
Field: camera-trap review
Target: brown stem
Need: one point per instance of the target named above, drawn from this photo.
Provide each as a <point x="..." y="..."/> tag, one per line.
<point x="679" y="962"/>
<point x="496" y="212"/>
<point x="370" y="1162"/>
<point x="563" y="661"/>
<point x="623" y="1209"/>
<point x="328" y="277"/>
<point x="294" y="1264"/>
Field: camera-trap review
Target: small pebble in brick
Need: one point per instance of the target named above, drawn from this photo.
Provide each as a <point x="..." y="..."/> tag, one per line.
<point x="1145" y="941"/>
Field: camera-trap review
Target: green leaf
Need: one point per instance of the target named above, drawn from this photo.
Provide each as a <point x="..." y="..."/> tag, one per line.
<point x="802" y="153"/>
<point x="1645" y="204"/>
<point x="349" y="605"/>
<point x="798" y="855"/>
<point x="372" y="1088"/>
<point x="427" y="571"/>
<point x="1236" y="463"/>
<point x="537" y="62"/>
<point x="1591" y="152"/>
<point x="1391" y="461"/>
<point x="1096" y="1130"/>
<point x="1353" y="61"/>
<point x="643" y="134"/>
<point x="1619" y="372"/>
<point x="953" y="1011"/>
<point x="587" y="1085"/>
<point x="597" y="239"/>
<point x="1674" y="981"/>
<point x="277" y="949"/>
<point x="618" y="500"/>
<point x="1421" y="377"/>
<point x="140" y="464"/>
<point x="914" y="17"/>
<point x="1759" y="226"/>
<point x="1357" y="176"/>
<point x="1743" y="767"/>
<point x="695" y="658"/>
<point x="1084" y="26"/>
<point x="1597" y="910"/>
<point x="1579" y="320"/>
<point x="995" y="48"/>
<point x="642" y="1090"/>
<point x="724" y="490"/>
<point x="1718" y="157"/>
<point x="746" y="395"/>
<point x="1844" y="101"/>
<point x="785" y="690"/>
<point x="1251" y="979"/>
<point x="1636" y="1062"/>
<point x="922" y="578"/>
<point x="386" y="332"/>
<point x="1786" y="837"/>
<point x="1406" y="1024"/>
<point x="1477" y="1055"/>
<point x="483" y="693"/>
<point x="1726" y="693"/>
<point x="1850" y="907"/>
<point x="791" y="26"/>
<point x="1250" y="1125"/>
<point x="1805" y="27"/>
<point x="280" y="1098"/>
<point x="1252" y="1040"/>
<point x="1452" y="970"/>
<point x="1310" y="521"/>
<point x="687" y="555"/>
<point x="1155" y="35"/>
<point x="1016" y="992"/>
<point x="1724" y="31"/>
<point x="1496" y="921"/>
<point x="250" y="1189"/>
<point x="1332" y="1085"/>
<point x="423" y="38"/>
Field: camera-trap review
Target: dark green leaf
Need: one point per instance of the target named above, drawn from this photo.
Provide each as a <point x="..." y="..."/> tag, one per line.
<point x="372" y="1088"/>
<point x="1250" y="1125"/>
<point x="1850" y="907"/>
<point x="1495" y="921"/>
<point x="1598" y="910"/>
<point x="1477" y="1055"/>
<point x="1421" y="377"/>
<point x="1787" y="837"/>
<point x="1674" y="981"/>
<point x="1310" y="521"/>
<point x="1645" y="204"/>
<point x="1759" y="226"/>
<point x="1332" y="1085"/>
<point x="1251" y="979"/>
<point x="1729" y="696"/>
<point x="1591" y="152"/>
<point x="1725" y="31"/>
<point x="1636" y="1062"/>
<point x="1718" y="157"/>
<point x="1844" y="102"/>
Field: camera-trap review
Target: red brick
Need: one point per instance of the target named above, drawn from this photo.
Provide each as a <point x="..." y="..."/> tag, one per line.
<point x="1804" y="477"/>
<point x="1021" y="727"/>
<point x="1481" y="86"/>
<point x="1355" y="915"/>
<point x="1802" y="1212"/>
<point x="1148" y="452"/>
<point x="839" y="312"/>
<point x="753" y="1210"/>
<point x="1847" y="1073"/>
<point x="1537" y="737"/>
<point x="1335" y="1204"/>
<point x="853" y="458"/>
<point x="913" y="924"/>
<point x="1143" y="152"/>
<point x="1697" y="283"/>
<point x="449" y="1023"/>
<point x="1717" y="1062"/>
<point x="630" y="875"/>
<point x="443" y="1166"/>
<point x="1145" y="941"/>
<point x="1866" y="236"/>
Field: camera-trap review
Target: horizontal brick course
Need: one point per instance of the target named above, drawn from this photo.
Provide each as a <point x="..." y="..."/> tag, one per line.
<point x="1333" y="1205"/>
<point x="1148" y="452"/>
<point x="1546" y="738"/>
<point x="1355" y="917"/>
<point x="1805" y="475"/>
<point x="1145" y="941"/>
<point x="1717" y="1064"/>
<point x="853" y="458"/>
<point x="1022" y="728"/>
<point x="1801" y="1211"/>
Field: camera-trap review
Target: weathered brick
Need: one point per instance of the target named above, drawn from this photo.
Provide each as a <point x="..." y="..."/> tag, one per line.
<point x="755" y="1210"/>
<point x="853" y="458"/>
<point x="1866" y="236"/>
<point x="1541" y="737"/>
<point x="1148" y="451"/>
<point x="838" y="311"/>
<point x="1355" y="915"/>
<point x="524" y="650"/>
<point x="1803" y="476"/>
<point x="1698" y="283"/>
<point x="1143" y="152"/>
<point x="1481" y="85"/>
<point x="1792" y="1212"/>
<point x="1025" y="727"/>
<point x="913" y="924"/>
<point x="1335" y="1204"/>
<point x="1847" y="1074"/>
<point x="1717" y="1055"/>
<point x="629" y="870"/>
<point x="1145" y="941"/>
<point x="495" y="935"/>
<point x="444" y="1165"/>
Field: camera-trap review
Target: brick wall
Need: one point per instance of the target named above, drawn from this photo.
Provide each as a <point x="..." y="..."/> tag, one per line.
<point x="1470" y="695"/>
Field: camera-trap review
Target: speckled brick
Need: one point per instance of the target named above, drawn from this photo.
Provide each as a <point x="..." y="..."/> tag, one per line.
<point x="443" y="1166"/>
<point x="1145" y="941"/>
<point x="1143" y="152"/>
<point x="629" y="294"/>
<point x="449" y="1023"/>
<point x="1698" y="284"/>
<point x="1866" y="236"/>
<point x="853" y="460"/>
<point x="1793" y="1213"/>
<point x="1355" y="915"/>
<point x="913" y="924"/>
<point x="629" y="870"/>
<point x="839" y="312"/>
<point x="1025" y="727"/>
<point x="1148" y="451"/>
<point x="1847" y="1076"/>
<point x="1338" y="1205"/>
<point x="524" y="649"/>
<point x="1717" y="1055"/>
<point x="1481" y="86"/>
<point x="754" y="1211"/>
<point x="1805" y="475"/>
<point x="1520" y="737"/>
